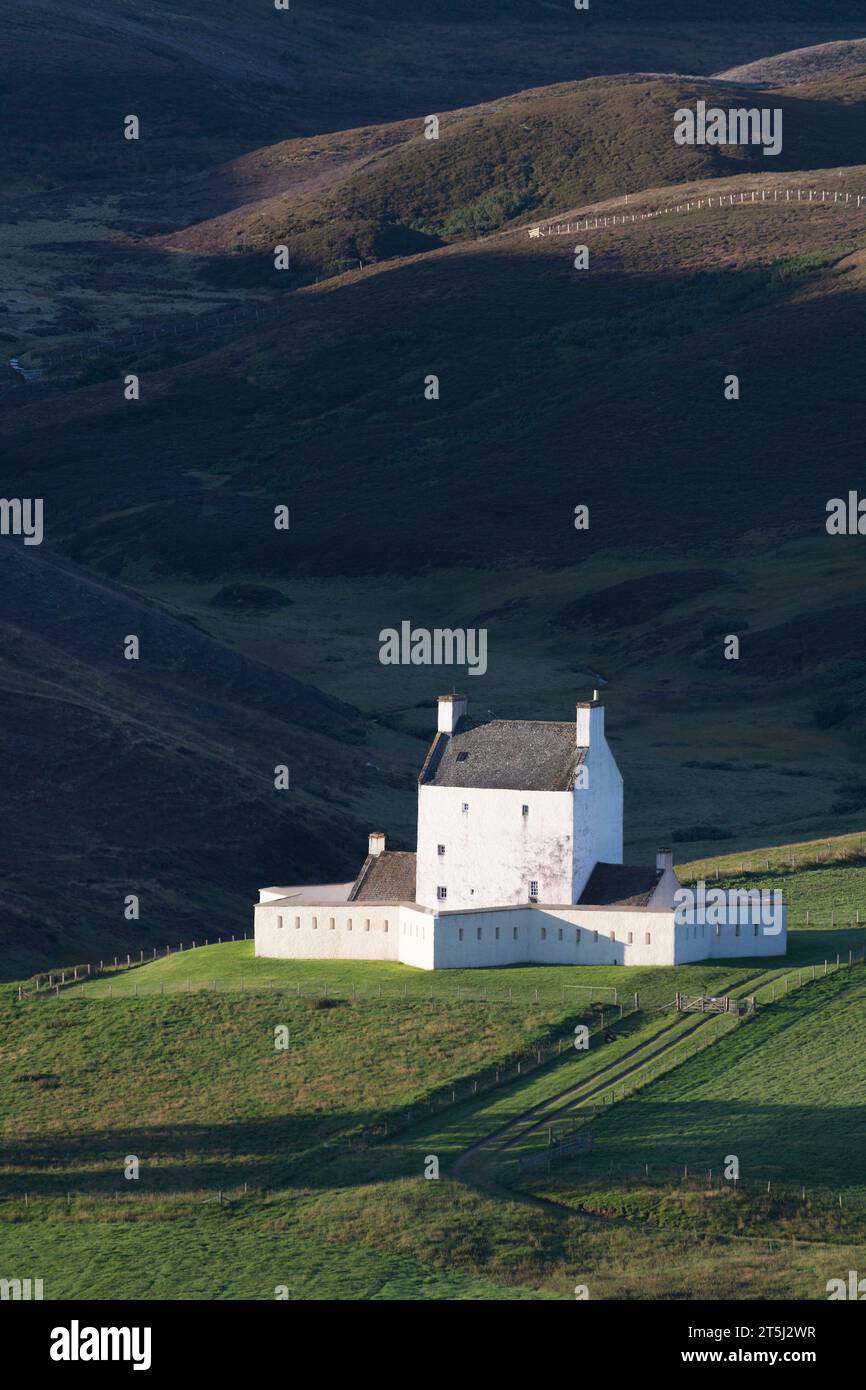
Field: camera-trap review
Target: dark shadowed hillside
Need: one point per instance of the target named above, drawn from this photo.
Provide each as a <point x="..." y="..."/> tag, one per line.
<point x="211" y="80"/>
<point x="155" y="777"/>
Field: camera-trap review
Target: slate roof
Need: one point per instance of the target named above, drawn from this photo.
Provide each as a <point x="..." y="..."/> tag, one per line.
<point x="620" y="885"/>
<point x="386" y="878"/>
<point x="515" y="754"/>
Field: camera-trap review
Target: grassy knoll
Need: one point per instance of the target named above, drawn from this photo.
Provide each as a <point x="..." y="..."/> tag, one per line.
<point x="825" y="878"/>
<point x="233" y="967"/>
<point x="194" y="1087"/>
<point x="198" y="1089"/>
<point x="407" y="1239"/>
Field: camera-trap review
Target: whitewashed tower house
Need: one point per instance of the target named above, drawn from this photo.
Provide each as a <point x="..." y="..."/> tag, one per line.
<point x="514" y="811"/>
<point x="518" y="860"/>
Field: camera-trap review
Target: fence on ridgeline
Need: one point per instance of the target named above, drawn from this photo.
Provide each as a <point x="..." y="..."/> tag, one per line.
<point x="814" y="197"/>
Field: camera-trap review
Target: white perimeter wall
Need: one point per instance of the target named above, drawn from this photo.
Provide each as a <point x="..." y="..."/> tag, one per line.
<point x="502" y="936"/>
<point x="493" y="851"/>
<point x="742" y="934"/>
<point x="555" y="936"/>
<point x="344" y="931"/>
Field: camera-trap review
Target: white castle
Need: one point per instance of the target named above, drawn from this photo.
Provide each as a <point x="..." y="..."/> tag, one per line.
<point x="519" y="861"/>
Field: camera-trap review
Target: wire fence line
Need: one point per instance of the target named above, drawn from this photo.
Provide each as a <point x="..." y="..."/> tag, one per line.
<point x="562" y="1133"/>
<point x="814" y="197"/>
<point x="699" y="1176"/>
<point x="94" y="987"/>
<point x="519" y="1065"/>
<point x="94" y="981"/>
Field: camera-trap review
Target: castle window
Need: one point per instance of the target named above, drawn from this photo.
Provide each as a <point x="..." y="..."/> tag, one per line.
<point x="440" y="850"/>
<point x="297" y="922"/>
<point x="385" y="924"/>
<point x="367" y="924"/>
<point x="315" y="923"/>
<point x="478" y="933"/>
<point x="560" y="933"/>
<point x="459" y="933"/>
<point x="577" y="936"/>
<point x="648" y="939"/>
<point x="441" y="893"/>
<point x="524" y="810"/>
<point x="533" y="888"/>
<point x="348" y="924"/>
<point x="466" y="808"/>
<point x="332" y="924"/>
<point x="279" y="923"/>
<point x="497" y="933"/>
<point x="613" y="936"/>
<point x="595" y="936"/>
<point x="630" y="938"/>
<point x="514" y="933"/>
<point x="756" y="929"/>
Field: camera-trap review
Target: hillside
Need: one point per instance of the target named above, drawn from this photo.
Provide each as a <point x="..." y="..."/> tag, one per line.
<point x="212" y="80"/>
<point x="156" y="777"/>
<point x="750" y="1094"/>
<point x="303" y="1165"/>
<point x="803" y="65"/>
<point x="387" y="191"/>
<point x="556" y="389"/>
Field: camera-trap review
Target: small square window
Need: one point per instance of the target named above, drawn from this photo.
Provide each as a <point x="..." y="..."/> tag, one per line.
<point x="524" y="810"/>
<point x="441" y="893"/>
<point x="466" y="808"/>
<point x="440" y="850"/>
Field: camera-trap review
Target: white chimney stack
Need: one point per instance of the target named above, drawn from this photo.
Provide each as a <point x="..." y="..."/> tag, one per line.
<point x="452" y="708"/>
<point x="590" y="722"/>
<point x="377" y="843"/>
